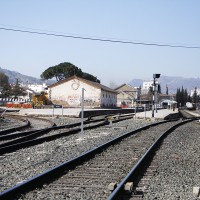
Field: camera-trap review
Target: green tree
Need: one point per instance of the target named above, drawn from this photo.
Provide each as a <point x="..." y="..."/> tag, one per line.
<point x="185" y="96"/>
<point x="4" y="85"/>
<point x="66" y="70"/>
<point x="150" y="94"/>
<point x="17" y="90"/>
<point x="61" y="71"/>
<point x="189" y="98"/>
<point x="159" y="88"/>
<point x="181" y="96"/>
<point x="194" y="96"/>
<point x="89" y="77"/>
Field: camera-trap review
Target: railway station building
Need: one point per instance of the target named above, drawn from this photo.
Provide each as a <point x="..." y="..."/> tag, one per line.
<point x="68" y="92"/>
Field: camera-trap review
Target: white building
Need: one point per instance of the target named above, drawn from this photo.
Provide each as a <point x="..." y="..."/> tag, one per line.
<point x="197" y="91"/>
<point x="147" y="84"/>
<point x="68" y="92"/>
<point x="37" y="88"/>
<point x="145" y="87"/>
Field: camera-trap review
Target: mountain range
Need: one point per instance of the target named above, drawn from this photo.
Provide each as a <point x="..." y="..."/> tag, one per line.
<point x="165" y="81"/>
<point x="13" y="75"/>
<point x="172" y="83"/>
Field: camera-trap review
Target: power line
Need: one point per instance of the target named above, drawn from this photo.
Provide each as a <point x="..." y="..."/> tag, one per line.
<point x="101" y="40"/>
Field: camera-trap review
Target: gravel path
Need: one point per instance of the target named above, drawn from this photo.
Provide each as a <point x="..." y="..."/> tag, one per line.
<point x="179" y="168"/>
<point x="25" y="163"/>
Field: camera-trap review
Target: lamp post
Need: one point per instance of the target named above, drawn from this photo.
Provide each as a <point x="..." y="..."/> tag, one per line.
<point x="155" y="76"/>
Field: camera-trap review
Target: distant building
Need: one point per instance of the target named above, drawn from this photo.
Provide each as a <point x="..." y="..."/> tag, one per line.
<point x="37" y="88"/>
<point x="145" y="87"/>
<point x="31" y="89"/>
<point x="127" y="95"/>
<point x="68" y="92"/>
<point x="197" y="91"/>
<point x="161" y="100"/>
<point x="147" y="84"/>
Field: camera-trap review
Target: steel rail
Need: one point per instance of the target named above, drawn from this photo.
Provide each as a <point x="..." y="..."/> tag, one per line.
<point x="36" y="133"/>
<point x="17" y="135"/>
<point x="15" y="129"/>
<point x="28" y="143"/>
<point x="57" y="171"/>
<point x="11" y="130"/>
<point x="31" y="139"/>
<point x="132" y="175"/>
<point x="32" y="135"/>
<point x="54" y="127"/>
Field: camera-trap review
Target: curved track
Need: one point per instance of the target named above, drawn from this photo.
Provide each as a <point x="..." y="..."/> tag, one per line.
<point x="35" y="137"/>
<point x="135" y="184"/>
<point x="16" y="124"/>
<point x="90" y="180"/>
<point x="10" y="124"/>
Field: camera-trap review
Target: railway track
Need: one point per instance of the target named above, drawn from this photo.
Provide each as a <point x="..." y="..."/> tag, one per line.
<point x="25" y="163"/>
<point x="177" y="168"/>
<point x="136" y="184"/>
<point x="35" y="137"/>
<point x="10" y="124"/>
<point x="23" y="124"/>
<point x="89" y="175"/>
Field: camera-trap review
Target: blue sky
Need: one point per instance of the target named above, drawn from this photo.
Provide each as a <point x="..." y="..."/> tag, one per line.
<point x="174" y="22"/>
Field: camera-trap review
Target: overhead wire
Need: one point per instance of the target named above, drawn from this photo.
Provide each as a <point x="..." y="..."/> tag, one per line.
<point x="100" y="39"/>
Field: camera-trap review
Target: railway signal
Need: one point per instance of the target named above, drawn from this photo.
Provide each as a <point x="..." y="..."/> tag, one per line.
<point x="155" y="76"/>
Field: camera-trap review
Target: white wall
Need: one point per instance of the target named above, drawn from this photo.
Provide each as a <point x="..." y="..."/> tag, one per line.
<point x="71" y="93"/>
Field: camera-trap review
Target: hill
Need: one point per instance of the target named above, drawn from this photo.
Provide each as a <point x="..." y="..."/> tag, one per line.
<point x="23" y="78"/>
<point x="172" y="83"/>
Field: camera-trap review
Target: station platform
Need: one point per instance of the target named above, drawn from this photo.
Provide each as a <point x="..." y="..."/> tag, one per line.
<point x="76" y="112"/>
<point x="160" y="114"/>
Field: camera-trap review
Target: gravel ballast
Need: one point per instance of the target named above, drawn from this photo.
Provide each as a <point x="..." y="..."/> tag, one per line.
<point x="179" y="165"/>
<point x="8" y="123"/>
<point x="25" y="163"/>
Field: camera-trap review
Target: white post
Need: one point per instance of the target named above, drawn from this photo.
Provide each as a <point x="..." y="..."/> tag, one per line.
<point x="135" y="109"/>
<point x="82" y="110"/>
<point x="62" y="111"/>
<point x="145" y="111"/>
<point x="53" y="111"/>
